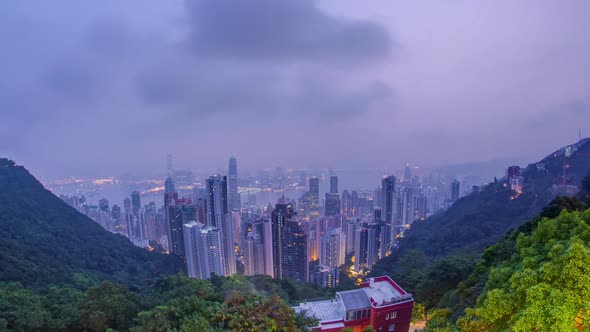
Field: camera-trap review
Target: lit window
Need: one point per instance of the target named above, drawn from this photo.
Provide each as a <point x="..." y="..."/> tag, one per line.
<point x="391" y="327"/>
<point x="393" y="315"/>
<point x="387" y="316"/>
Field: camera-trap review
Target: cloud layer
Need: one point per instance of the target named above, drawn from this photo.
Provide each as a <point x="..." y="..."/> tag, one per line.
<point x="109" y="87"/>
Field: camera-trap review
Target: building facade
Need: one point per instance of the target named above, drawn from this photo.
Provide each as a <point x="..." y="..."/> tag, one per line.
<point x="379" y="302"/>
<point x="202" y="246"/>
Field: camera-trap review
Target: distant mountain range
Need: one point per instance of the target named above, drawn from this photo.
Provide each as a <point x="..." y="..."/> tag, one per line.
<point x="44" y="241"/>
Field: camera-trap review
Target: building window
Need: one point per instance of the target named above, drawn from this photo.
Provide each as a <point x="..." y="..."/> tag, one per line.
<point x="387" y="316"/>
<point x="393" y="315"/>
<point x="391" y="327"/>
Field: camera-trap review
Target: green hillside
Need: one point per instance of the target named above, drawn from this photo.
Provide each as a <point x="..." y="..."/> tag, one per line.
<point x="435" y="255"/>
<point x="44" y="241"/>
<point x="535" y="279"/>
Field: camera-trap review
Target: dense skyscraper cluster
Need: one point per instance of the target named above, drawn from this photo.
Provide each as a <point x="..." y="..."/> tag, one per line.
<point x="307" y="239"/>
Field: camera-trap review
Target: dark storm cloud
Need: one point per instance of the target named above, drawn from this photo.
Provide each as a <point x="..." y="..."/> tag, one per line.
<point x="241" y="55"/>
<point x="204" y="92"/>
<point x="282" y="30"/>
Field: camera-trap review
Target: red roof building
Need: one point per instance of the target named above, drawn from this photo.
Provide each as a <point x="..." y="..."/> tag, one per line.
<point x="380" y="303"/>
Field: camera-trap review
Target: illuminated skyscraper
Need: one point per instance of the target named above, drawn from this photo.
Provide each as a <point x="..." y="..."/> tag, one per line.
<point x="314" y="193"/>
<point x="332" y="204"/>
<point x="366" y="246"/>
<point x="421" y="206"/>
<point x="346" y="204"/>
<point x="332" y="248"/>
<point x="218" y="216"/>
<point x="289" y="244"/>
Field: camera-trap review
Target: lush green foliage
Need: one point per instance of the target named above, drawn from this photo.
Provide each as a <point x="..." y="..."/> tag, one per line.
<point x="174" y="303"/>
<point x="544" y="285"/>
<point x="44" y="241"/>
<point x="472" y="287"/>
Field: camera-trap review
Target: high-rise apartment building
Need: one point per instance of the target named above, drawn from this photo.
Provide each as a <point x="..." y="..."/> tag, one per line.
<point x="367" y="245"/>
<point x="289" y="244"/>
<point x="332" y="204"/>
<point x="202" y="245"/>
<point x="388" y="209"/>
<point x="218" y="216"/>
<point x="332" y="248"/>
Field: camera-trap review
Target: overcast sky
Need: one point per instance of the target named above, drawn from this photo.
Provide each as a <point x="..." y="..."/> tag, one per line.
<point x="107" y="87"/>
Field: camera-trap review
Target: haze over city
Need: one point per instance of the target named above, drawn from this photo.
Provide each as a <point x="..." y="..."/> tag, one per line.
<point x="109" y="87"/>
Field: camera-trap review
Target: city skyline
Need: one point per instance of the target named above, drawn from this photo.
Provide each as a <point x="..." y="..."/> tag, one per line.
<point x="378" y="84"/>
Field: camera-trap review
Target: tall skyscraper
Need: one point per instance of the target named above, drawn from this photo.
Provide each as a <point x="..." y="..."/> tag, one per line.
<point x="354" y="203"/>
<point x="314" y="193"/>
<point x="254" y="247"/>
<point x="279" y="217"/>
<point x="455" y="190"/>
<point x="388" y="207"/>
<point x="135" y="201"/>
<point x="203" y="245"/>
<point x="332" y="204"/>
<point x="234" y="199"/>
<point x="346" y="204"/>
<point x="332" y="248"/>
<point x="170" y="165"/>
<point x="408" y="208"/>
<point x="173" y="222"/>
<point x="295" y="262"/>
<point x="201" y="207"/>
<point x="289" y="244"/>
<point x="350" y="230"/>
<point x="334" y="184"/>
<point x="117" y="218"/>
<point x="421" y="206"/>
<point x="169" y="186"/>
<point x="179" y="212"/>
<point x="127" y="205"/>
<point x="218" y="216"/>
<point x="366" y="246"/>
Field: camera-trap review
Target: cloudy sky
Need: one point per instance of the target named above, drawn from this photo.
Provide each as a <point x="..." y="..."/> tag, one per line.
<point x="107" y="87"/>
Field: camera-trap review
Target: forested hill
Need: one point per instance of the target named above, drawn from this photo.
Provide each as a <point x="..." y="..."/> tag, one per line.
<point x="44" y="241"/>
<point x="481" y="218"/>
<point x="436" y="254"/>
